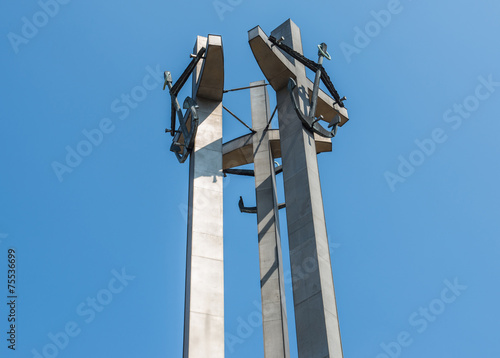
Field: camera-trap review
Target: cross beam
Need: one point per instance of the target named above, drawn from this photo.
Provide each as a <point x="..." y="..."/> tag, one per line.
<point x="239" y="151"/>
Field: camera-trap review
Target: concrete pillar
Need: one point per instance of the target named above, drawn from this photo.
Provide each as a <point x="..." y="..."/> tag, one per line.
<point x="274" y="318"/>
<point x="204" y="306"/>
<point x="317" y="326"/>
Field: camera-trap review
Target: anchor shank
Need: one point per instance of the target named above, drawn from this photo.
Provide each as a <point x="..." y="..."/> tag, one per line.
<point x="314" y="99"/>
<point x="177" y="105"/>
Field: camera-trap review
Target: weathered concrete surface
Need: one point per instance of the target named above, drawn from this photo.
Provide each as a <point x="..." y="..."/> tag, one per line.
<point x="318" y="333"/>
<point x="204" y="306"/>
<point x="239" y="151"/>
<point x="208" y="79"/>
<point x="274" y="318"/>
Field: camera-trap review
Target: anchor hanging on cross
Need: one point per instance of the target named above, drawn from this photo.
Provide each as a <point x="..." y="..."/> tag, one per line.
<point x="310" y="120"/>
<point x="183" y="141"/>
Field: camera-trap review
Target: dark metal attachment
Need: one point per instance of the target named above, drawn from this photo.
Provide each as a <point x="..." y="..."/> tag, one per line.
<point x="250" y="172"/>
<point x="183" y="138"/>
<point x="245" y="209"/>
<point x="310" y="122"/>
<point x="253" y="209"/>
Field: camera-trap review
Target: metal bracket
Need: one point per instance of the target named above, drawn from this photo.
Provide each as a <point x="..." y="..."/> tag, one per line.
<point x="250" y="172"/>
<point x="246" y="209"/>
<point x="253" y="209"/>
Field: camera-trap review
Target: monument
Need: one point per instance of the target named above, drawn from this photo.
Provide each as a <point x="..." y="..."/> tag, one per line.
<point x="301" y="108"/>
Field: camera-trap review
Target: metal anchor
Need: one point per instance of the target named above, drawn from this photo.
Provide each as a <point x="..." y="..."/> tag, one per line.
<point x="183" y="140"/>
<point x="311" y="121"/>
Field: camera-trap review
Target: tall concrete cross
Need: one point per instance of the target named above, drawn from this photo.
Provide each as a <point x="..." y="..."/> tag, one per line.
<point x="261" y="148"/>
<point x="204" y="306"/>
<point x="316" y="319"/>
<point x="274" y="317"/>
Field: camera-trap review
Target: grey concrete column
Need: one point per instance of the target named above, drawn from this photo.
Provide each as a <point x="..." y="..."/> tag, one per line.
<point x="274" y="318"/>
<point x="204" y="306"/>
<point x="318" y="333"/>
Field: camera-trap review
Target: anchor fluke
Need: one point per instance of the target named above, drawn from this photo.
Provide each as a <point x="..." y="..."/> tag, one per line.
<point x="335" y="124"/>
<point x="311" y="123"/>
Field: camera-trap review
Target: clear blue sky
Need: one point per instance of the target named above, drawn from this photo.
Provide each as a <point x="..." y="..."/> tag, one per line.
<point x="423" y="88"/>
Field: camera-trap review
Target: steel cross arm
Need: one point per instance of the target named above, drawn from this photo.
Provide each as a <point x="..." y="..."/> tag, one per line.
<point x="279" y="68"/>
